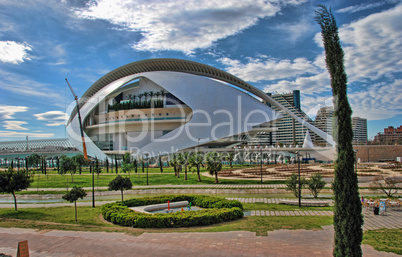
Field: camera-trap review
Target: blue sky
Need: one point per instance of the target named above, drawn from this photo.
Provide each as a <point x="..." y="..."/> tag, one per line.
<point x="273" y="44"/>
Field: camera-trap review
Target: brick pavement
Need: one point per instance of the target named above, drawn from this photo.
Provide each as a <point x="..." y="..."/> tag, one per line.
<point x="234" y="243"/>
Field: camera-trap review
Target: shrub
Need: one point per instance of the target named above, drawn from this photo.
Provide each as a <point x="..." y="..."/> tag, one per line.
<point x="292" y="184"/>
<point x="217" y="210"/>
<point x="315" y="184"/>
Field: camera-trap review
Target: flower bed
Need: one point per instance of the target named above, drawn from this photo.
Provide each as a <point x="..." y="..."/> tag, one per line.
<point x="217" y="210"/>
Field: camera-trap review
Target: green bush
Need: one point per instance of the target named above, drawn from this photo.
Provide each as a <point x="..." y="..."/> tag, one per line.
<point x="217" y="210"/>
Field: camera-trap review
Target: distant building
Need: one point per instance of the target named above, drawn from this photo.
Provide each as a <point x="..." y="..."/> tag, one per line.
<point x="323" y="121"/>
<point x="359" y="126"/>
<point x="390" y="136"/>
<point x="290" y="131"/>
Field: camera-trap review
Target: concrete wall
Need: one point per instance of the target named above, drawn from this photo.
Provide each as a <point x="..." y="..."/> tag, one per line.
<point x="376" y="153"/>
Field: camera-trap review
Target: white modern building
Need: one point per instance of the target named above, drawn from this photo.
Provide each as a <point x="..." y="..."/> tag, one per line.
<point x="160" y="106"/>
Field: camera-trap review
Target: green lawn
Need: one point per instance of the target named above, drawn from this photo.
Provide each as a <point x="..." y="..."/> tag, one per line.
<point x="389" y="240"/>
<point x="89" y="220"/>
<point x="85" y="180"/>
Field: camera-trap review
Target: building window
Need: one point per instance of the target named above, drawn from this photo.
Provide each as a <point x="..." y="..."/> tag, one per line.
<point x="167" y="114"/>
<point x="160" y="114"/>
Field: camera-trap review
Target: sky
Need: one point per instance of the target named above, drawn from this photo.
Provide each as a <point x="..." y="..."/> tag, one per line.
<point x="274" y="45"/>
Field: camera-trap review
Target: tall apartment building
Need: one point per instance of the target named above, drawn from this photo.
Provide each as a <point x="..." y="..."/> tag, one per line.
<point x="390" y="136"/>
<point x="289" y="130"/>
<point x="323" y="121"/>
<point x="359" y="126"/>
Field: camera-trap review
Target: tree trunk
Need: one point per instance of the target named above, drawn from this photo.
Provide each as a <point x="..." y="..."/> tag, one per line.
<point x="80" y="169"/>
<point x="72" y="179"/>
<point x="216" y="177"/>
<point x="15" y="201"/>
<point x="121" y="195"/>
<point x="198" y="173"/>
<point x="185" y="172"/>
<point x="75" y="205"/>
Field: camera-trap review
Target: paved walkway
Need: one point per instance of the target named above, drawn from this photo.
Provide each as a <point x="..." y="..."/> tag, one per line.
<point x="273" y="200"/>
<point x="235" y="243"/>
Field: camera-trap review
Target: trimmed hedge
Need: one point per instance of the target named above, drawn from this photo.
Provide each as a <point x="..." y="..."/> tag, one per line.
<point x="218" y="210"/>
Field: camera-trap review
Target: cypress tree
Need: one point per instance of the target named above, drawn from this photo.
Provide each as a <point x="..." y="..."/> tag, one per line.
<point x="348" y="219"/>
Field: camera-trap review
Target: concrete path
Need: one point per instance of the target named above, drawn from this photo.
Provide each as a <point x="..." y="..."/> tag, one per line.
<point x="235" y="243"/>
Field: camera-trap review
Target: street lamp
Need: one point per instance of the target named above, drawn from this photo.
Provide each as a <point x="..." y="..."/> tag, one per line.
<point x="146" y="155"/>
<point x="261" y="162"/>
<point x="298" y="167"/>
<point x="355" y="150"/>
<point x="93" y="182"/>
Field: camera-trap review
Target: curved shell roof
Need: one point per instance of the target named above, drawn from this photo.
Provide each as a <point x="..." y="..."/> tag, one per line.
<point x="160" y="64"/>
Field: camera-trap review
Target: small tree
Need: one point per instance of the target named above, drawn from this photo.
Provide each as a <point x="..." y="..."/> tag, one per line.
<point x="213" y="161"/>
<point x="73" y="195"/>
<point x="316" y="184"/>
<point x="33" y="160"/>
<point x="196" y="161"/>
<point x="230" y="158"/>
<point x="127" y="164"/>
<point x="186" y="158"/>
<point x="68" y="164"/>
<point x="120" y="183"/>
<point x="388" y="186"/>
<point x="80" y="160"/>
<point x="13" y="181"/>
<point x="292" y="184"/>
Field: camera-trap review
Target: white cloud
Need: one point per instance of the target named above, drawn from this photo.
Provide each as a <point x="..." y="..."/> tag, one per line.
<point x="182" y="25"/>
<point x="373" y="45"/>
<point x="258" y="69"/>
<point x="316" y="84"/>
<point x="14" y="52"/>
<point x="365" y="6"/>
<point x="6" y="111"/>
<point x="24" y="134"/>
<point x="380" y="101"/>
<point x="297" y="30"/>
<point x="53" y="118"/>
<point x="14" y="125"/>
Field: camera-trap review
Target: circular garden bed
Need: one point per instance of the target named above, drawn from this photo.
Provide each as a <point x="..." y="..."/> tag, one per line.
<point x="215" y="210"/>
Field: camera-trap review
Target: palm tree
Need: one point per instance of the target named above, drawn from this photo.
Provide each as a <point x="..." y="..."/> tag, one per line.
<point x="157" y="94"/>
<point x="146" y="94"/>
<point x="230" y="158"/>
<point x="186" y="158"/>
<point x="196" y="161"/>
<point x="180" y="161"/>
<point x="173" y="163"/>
<point x="213" y="160"/>
<point x="163" y="93"/>
<point x="151" y="94"/>
<point x="140" y="97"/>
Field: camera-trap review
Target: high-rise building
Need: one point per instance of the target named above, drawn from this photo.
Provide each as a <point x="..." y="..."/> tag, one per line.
<point x="359" y="126"/>
<point x="323" y="121"/>
<point x="390" y="136"/>
<point x="290" y="131"/>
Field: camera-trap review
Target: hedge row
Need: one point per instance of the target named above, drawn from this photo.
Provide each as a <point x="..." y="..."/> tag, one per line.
<point x="219" y="210"/>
